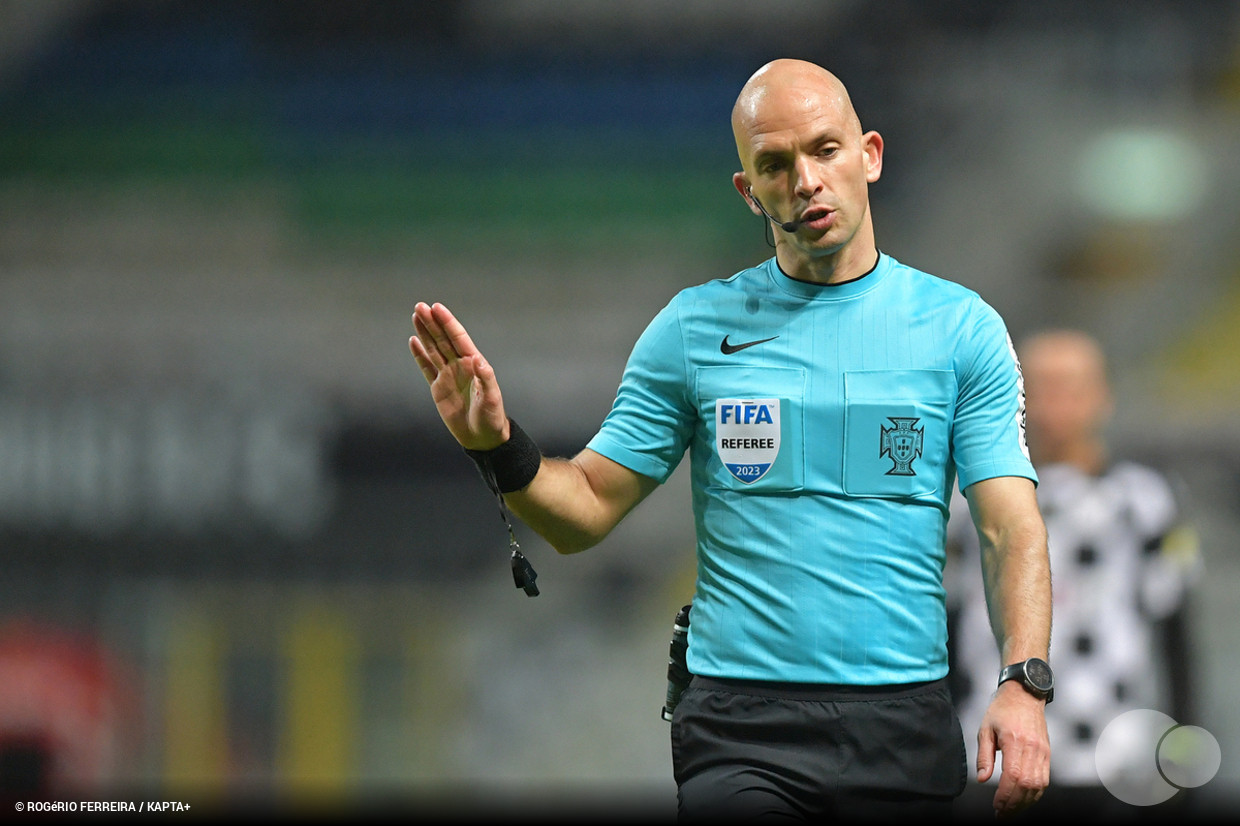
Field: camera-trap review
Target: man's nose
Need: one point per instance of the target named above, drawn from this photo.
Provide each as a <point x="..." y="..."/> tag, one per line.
<point x="809" y="182"/>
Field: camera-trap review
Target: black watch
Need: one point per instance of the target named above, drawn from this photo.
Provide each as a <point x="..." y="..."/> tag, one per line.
<point x="1034" y="674"/>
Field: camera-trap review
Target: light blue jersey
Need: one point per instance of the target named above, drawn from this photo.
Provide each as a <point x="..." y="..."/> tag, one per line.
<point x="826" y="427"/>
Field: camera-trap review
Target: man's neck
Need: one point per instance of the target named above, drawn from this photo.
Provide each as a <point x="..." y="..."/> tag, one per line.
<point x="846" y="264"/>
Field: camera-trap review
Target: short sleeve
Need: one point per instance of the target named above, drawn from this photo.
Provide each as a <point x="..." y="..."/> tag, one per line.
<point x="651" y="421"/>
<point x="988" y="434"/>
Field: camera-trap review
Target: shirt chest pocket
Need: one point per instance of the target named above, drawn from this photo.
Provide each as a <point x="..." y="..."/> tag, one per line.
<point x="753" y="426"/>
<point x="897" y="427"/>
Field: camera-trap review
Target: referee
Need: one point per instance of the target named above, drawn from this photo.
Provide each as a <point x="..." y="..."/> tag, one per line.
<point x="829" y="398"/>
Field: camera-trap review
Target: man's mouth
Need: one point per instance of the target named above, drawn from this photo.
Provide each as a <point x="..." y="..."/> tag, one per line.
<point x="818" y="218"/>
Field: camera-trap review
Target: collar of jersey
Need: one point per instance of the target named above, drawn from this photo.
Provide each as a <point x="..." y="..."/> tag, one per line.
<point x="829" y="292"/>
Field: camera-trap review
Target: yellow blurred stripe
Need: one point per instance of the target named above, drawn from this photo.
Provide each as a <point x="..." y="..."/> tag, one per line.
<point x="195" y="716"/>
<point x="319" y="727"/>
<point x="1201" y="372"/>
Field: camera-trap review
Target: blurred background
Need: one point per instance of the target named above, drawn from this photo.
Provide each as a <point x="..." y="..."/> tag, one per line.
<point x="240" y="558"/>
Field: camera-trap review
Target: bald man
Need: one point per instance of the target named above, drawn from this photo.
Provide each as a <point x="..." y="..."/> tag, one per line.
<point x="829" y="399"/>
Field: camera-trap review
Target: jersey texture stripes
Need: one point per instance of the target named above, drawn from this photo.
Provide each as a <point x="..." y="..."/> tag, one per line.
<point x="823" y="460"/>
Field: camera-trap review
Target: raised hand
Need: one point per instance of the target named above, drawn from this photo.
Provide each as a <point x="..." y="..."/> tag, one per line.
<point x="462" y="382"/>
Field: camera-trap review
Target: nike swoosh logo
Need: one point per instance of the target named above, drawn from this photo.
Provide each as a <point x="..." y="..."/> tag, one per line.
<point x="728" y="349"/>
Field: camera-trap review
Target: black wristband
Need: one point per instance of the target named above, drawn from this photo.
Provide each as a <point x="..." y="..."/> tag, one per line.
<point x="512" y="465"/>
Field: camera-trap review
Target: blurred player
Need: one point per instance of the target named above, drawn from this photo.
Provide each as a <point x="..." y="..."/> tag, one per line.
<point x="1122" y="562"/>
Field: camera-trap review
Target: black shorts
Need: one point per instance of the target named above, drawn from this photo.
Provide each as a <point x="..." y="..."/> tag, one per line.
<point x="745" y="750"/>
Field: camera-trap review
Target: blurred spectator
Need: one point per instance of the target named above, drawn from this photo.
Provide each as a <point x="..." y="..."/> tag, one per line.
<point x="1122" y="562"/>
<point x="62" y="714"/>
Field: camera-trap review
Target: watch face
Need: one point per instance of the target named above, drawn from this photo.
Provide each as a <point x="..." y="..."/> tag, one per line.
<point x="1039" y="673"/>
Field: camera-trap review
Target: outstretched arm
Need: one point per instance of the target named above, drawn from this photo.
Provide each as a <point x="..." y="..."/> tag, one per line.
<point x="572" y="503"/>
<point x="1016" y="570"/>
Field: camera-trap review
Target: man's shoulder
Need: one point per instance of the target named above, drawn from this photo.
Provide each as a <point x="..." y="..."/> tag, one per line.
<point x="700" y="303"/>
<point x="930" y="282"/>
<point x="707" y="292"/>
<point x="1142" y="481"/>
<point x="1139" y="492"/>
<point x="749" y="276"/>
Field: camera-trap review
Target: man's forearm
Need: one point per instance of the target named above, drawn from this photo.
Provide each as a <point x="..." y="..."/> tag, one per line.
<point x="560" y="506"/>
<point x="1018" y="590"/>
<point x="574" y="503"/>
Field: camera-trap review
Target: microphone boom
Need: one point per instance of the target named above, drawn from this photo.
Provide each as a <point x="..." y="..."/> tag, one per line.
<point x="786" y="226"/>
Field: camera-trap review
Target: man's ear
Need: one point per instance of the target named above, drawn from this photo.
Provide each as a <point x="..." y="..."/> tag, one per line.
<point x="741" y="182"/>
<point x="872" y="144"/>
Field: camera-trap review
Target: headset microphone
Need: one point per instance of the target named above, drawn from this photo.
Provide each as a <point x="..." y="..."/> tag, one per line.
<point x="786" y="226"/>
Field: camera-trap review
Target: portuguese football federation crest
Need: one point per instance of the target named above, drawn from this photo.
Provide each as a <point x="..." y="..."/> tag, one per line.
<point x="902" y="444"/>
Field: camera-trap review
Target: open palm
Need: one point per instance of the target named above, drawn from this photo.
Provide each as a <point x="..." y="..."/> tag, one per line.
<point x="462" y="382"/>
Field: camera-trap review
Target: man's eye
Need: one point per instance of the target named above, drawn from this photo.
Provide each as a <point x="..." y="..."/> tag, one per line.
<point x="770" y="167"/>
